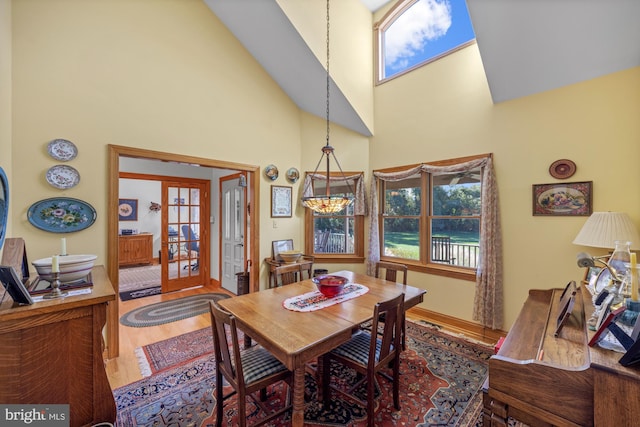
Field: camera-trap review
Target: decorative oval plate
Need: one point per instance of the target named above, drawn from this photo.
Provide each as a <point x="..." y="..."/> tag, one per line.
<point x="271" y="172"/>
<point x="293" y="175"/>
<point x="61" y="215"/>
<point x="63" y="176"/>
<point x="562" y="169"/>
<point x="63" y="150"/>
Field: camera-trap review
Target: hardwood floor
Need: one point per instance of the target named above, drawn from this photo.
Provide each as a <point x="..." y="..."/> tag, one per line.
<point x="124" y="369"/>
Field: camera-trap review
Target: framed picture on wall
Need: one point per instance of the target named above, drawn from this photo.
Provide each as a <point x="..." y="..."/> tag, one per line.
<point x="280" y="201"/>
<point x="128" y="209"/>
<point x="567" y="199"/>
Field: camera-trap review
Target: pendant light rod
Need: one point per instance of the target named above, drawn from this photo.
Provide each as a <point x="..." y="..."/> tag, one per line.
<point x="328" y="203"/>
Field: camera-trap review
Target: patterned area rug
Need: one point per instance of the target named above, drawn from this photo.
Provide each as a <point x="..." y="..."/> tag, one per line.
<point x="139" y="282"/>
<point x="441" y="380"/>
<point x="170" y="311"/>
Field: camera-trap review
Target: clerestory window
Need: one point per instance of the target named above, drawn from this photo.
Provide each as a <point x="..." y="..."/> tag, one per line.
<point x="416" y="32"/>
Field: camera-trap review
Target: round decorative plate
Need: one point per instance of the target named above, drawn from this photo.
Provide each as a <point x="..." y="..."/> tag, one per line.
<point x="562" y="169"/>
<point x="61" y="215"/>
<point x="63" y="176"/>
<point x="63" y="150"/>
<point x="293" y="175"/>
<point x="271" y="172"/>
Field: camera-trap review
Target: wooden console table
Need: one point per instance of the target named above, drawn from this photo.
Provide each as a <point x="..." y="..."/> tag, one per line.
<point x="135" y="249"/>
<point x="51" y="353"/>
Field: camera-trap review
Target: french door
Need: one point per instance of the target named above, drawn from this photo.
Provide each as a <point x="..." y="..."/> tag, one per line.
<point x="185" y="235"/>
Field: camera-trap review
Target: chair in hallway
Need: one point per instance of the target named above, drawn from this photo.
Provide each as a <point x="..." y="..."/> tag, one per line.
<point x="190" y="245"/>
<point x="369" y="354"/>
<point x="247" y="371"/>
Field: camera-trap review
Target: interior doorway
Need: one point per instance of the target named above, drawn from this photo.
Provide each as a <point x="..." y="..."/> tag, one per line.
<point x="251" y="215"/>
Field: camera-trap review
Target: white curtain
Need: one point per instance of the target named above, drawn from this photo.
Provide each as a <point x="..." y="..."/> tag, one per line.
<point x="488" y="300"/>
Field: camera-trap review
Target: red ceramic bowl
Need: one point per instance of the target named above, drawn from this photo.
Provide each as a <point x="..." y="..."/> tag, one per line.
<point x="330" y="285"/>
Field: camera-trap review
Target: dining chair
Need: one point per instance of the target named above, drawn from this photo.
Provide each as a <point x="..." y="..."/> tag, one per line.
<point x="286" y="274"/>
<point x="391" y="271"/>
<point x="369" y="354"/>
<point x="307" y="267"/>
<point x="246" y="371"/>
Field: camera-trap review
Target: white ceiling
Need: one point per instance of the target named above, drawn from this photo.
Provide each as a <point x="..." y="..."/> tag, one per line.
<point x="527" y="47"/>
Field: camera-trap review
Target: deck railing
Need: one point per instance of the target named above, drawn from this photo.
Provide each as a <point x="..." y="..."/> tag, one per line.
<point x="461" y="255"/>
<point x="465" y="255"/>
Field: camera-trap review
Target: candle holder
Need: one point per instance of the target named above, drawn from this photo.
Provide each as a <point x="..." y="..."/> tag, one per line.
<point x="55" y="288"/>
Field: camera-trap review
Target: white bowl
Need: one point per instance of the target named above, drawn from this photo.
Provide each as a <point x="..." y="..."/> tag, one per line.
<point x="289" y="257"/>
<point x="72" y="267"/>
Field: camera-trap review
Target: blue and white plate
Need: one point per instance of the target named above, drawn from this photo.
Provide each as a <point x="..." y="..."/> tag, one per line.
<point x="63" y="176"/>
<point x="61" y="215"/>
<point x="63" y="150"/>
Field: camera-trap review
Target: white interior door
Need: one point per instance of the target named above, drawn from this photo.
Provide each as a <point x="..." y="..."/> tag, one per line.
<point x="232" y="232"/>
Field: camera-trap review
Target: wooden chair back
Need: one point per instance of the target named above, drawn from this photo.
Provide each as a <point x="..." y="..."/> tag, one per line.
<point x="369" y="353"/>
<point x="391" y="270"/>
<point x="227" y="353"/>
<point x="287" y="274"/>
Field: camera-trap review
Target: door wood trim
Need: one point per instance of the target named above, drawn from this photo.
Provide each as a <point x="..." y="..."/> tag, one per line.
<point x="115" y="152"/>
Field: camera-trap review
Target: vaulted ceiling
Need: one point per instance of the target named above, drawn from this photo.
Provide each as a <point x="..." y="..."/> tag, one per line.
<point x="527" y="47"/>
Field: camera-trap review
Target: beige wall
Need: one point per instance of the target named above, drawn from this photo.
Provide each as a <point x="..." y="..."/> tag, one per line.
<point x="163" y="75"/>
<point x="167" y="75"/>
<point x="593" y="123"/>
<point x="351" y="46"/>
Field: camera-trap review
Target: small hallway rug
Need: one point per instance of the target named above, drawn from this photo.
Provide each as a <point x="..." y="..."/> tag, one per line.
<point x="139" y="282"/>
<point x="441" y="380"/>
<point x="170" y="311"/>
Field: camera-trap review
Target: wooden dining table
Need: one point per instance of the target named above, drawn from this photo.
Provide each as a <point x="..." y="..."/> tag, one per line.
<point x="296" y="338"/>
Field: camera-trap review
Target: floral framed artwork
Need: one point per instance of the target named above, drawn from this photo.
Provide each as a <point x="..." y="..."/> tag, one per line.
<point x="128" y="210"/>
<point x="566" y="199"/>
<point x="280" y="201"/>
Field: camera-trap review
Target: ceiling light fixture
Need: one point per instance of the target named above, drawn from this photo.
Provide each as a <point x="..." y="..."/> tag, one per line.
<point x="327" y="203"/>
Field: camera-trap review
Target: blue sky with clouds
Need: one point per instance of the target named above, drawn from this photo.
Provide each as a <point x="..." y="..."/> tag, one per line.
<point x="427" y="29"/>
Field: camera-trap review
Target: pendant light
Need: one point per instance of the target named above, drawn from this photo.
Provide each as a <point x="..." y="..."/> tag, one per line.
<point x="327" y="203"/>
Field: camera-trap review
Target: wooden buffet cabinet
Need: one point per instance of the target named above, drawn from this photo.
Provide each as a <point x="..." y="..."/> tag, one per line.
<point x="135" y="249"/>
<point x="51" y="352"/>
<point x="544" y="380"/>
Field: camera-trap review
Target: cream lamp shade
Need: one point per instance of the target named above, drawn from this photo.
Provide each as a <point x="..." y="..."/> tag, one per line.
<point x="602" y="229"/>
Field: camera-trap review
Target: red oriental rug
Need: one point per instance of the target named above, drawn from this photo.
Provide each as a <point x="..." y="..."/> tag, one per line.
<point x="441" y="380"/>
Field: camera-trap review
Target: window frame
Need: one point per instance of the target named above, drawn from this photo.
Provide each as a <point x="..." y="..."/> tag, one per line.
<point x="378" y="45"/>
<point x="423" y="264"/>
<point x="358" y="229"/>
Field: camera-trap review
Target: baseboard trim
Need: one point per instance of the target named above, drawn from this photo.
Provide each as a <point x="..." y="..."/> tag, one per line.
<point x="472" y="330"/>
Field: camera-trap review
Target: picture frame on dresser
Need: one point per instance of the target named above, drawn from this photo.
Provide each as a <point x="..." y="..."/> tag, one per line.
<point x="14" y="286"/>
